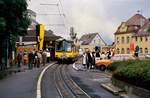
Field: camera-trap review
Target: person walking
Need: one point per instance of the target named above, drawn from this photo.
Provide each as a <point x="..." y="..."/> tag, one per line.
<point x="19" y="59"/>
<point x="31" y="59"/>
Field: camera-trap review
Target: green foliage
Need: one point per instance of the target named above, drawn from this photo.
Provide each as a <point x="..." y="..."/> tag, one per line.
<point x="14" y="22"/>
<point x="13" y="17"/>
<point x="134" y="72"/>
<point x="117" y="64"/>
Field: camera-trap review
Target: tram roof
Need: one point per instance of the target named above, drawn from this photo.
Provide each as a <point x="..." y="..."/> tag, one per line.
<point x="62" y="39"/>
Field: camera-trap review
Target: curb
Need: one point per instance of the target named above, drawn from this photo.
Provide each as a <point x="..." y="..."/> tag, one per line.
<point x="124" y="95"/>
<point x="111" y="88"/>
<point x="117" y="91"/>
<point x="38" y="89"/>
<point x="131" y="90"/>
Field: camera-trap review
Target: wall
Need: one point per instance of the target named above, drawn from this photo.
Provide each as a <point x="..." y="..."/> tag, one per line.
<point x="97" y="41"/>
<point x="124" y="45"/>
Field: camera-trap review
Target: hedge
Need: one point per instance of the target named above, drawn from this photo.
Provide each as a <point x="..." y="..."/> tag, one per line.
<point x="134" y="72"/>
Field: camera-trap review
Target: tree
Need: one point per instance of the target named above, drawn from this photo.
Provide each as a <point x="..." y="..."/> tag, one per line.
<point x="15" y="16"/>
<point x="14" y="22"/>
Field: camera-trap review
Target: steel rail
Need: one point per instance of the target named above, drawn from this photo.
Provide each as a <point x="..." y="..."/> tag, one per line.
<point x="66" y="86"/>
<point x="38" y="88"/>
<point x="76" y="90"/>
<point x="61" y="85"/>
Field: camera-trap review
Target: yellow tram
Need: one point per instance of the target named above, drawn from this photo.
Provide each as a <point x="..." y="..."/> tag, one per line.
<point x="65" y="50"/>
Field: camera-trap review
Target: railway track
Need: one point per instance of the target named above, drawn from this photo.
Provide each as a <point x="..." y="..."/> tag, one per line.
<point x="57" y="83"/>
<point x="48" y="89"/>
<point x="66" y="87"/>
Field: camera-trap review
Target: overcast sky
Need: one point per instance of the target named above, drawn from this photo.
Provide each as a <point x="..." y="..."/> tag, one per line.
<point x="88" y="16"/>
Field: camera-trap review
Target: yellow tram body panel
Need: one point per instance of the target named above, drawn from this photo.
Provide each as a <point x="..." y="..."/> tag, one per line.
<point x="65" y="55"/>
<point x="65" y="50"/>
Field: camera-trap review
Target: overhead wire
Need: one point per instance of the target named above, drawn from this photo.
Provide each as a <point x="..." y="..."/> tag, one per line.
<point x="64" y="16"/>
<point x="61" y="13"/>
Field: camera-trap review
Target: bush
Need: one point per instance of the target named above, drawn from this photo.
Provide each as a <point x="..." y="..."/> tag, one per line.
<point x="117" y="64"/>
<point x="134" y="72"/>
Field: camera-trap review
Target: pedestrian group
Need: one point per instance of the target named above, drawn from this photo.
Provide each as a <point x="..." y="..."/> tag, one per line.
<point x="33" y="58"/>
<point x="89" y="58"/>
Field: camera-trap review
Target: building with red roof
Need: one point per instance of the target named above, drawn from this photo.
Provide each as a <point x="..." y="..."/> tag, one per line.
<point x="135" y="32"/>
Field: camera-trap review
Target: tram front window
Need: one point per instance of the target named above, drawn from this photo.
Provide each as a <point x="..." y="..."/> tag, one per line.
<point x="67" y="47"/>
<point x="63" y="46"/>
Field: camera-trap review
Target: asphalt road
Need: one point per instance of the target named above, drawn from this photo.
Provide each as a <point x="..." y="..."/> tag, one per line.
<point x="90" y="81"/>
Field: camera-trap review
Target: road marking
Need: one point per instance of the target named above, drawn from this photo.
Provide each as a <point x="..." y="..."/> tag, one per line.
<point x="38" y="90"/>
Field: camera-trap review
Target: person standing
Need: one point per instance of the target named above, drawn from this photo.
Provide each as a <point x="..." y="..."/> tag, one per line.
<point x="35" y="59"/>
<point x="89" y="60"/>
<point x="19" y="59"/>
<point x="39" y="59"/>
<point x="84" y="59"/>
<point x="93" y="60"/>
<point x="103" y="56"/>
<point x="25" y="57"/>
<point x="48" y="56"/>
<point x="44" y="58"/>
<point x="108" y="54"/>
<point x="31" y="58"/>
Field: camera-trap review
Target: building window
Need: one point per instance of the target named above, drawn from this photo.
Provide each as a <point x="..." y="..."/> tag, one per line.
<point x="122" y="40"/>
<point x="141" y="50"/>
<point x="117" y="40"/>
<point x="146" y="39"/>
<point x="136" y="38"/>
<point x="128" y="51"/>
<point x="141" y="39"/>
<point x="128" y="39"/>
<point x="118" y="51"/>
<point x="146" y="50"/>
<point x="122" y="51"/>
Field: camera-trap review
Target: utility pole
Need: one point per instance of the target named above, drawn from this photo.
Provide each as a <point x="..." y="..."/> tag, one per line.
<point x="72" y="34"/>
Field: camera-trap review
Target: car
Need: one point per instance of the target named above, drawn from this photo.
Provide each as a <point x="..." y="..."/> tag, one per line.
<point x="102" y="64"/>
<point x="147" y="56"/>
